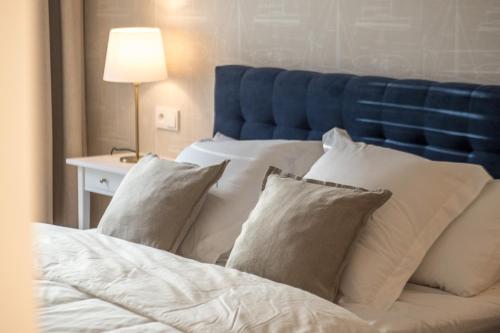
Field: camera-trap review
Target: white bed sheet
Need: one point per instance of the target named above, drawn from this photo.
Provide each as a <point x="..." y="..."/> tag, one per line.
<point x="89" y="282"/>
<point x="94" y="283"/>
<point x="422" y="309"/>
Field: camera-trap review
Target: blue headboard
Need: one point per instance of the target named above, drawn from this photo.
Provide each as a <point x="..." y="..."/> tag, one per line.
<point x="457" y="122"/>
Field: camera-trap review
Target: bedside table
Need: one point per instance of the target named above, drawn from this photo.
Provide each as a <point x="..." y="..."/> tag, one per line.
<point x="97" y="174"/>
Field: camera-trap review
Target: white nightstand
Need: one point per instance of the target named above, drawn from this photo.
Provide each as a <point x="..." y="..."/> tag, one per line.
<point x="96" y="174"/>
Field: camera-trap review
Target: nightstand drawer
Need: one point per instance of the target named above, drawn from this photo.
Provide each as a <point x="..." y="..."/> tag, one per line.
<point x="101" y="181"/>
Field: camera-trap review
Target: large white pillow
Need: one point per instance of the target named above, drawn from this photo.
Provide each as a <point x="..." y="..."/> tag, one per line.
<point x="230" y="201"/>
<point x="465" y="259"/>
<point x="221" y="137"/>
<point x="329" y="137"/>
<point x="427" y="196"/>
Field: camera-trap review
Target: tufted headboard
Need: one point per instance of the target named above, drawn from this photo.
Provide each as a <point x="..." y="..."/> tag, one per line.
<point x="441" y="121"/>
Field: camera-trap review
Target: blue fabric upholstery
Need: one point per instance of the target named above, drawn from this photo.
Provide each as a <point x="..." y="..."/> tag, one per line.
<point x="441" y="121"/>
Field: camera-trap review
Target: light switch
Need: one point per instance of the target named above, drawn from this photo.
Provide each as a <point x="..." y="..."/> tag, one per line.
<point x="167" y="118"/>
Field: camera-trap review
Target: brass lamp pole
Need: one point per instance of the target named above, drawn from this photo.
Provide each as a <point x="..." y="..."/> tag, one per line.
<point x="135" y="55"/>
<point x="135" y="158"/>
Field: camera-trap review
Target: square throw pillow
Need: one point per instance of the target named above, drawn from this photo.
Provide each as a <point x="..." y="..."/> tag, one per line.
<point x="465" y="260"/>
<point x="300" y="231"/>
<point x="427" y="196"/>
<point x="157" y="202"/>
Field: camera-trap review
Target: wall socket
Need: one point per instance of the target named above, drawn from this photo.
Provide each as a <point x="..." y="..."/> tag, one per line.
<point x="167" y="118"/>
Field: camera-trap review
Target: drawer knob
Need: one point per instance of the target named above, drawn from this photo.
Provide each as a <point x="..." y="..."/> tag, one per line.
<point x="103" y="180"/>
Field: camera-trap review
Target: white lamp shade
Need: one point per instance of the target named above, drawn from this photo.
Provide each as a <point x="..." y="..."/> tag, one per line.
<point x="135" y="55"/>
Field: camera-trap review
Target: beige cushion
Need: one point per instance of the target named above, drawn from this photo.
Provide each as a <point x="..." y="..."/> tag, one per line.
<point x="300" y="231"/>
<point x="158" y="201"/>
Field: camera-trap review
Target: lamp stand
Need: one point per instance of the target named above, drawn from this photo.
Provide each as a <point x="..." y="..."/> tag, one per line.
<point x="135" y="158"/>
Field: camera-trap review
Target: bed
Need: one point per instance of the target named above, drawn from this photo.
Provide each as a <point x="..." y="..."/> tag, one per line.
<point x="424" y="309"/>
<point x="92" y="283"/>
<point x="455" y="122"/>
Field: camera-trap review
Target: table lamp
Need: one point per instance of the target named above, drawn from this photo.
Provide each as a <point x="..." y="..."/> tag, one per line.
<point x="135" y="55"/>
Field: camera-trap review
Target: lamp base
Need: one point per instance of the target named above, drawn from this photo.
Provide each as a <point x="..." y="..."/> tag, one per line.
<point x="130" y="159"/>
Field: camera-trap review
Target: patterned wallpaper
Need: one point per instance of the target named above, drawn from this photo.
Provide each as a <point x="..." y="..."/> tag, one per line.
<point x="457" y="40"/>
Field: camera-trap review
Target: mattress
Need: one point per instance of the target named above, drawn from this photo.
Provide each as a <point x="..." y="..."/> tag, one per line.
<point x="423" y="309"/>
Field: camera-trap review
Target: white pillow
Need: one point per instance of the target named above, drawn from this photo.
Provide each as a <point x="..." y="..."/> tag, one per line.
<point x="329" y="137"/>
<point x="427" y="196"/>
<point x="230" y="201"/>
<point x="465" y="259"/>
<point x="221" y="137"/>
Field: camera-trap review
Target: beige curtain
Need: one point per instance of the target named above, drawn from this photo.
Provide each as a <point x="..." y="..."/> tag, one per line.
<point x="68" y="104"/>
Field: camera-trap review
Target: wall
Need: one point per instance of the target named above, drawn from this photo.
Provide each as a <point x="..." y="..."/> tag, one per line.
<point x="433" y="39"/>
<point x="447" y="40"/>
<point x="24" y="129"/>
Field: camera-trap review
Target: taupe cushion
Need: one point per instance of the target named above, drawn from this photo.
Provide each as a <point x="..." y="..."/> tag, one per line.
<point x="300" y="231"/>
<point x="158" y="201"/>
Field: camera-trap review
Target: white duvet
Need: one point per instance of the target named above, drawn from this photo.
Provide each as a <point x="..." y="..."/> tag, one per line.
<point x="89" y="282"/>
